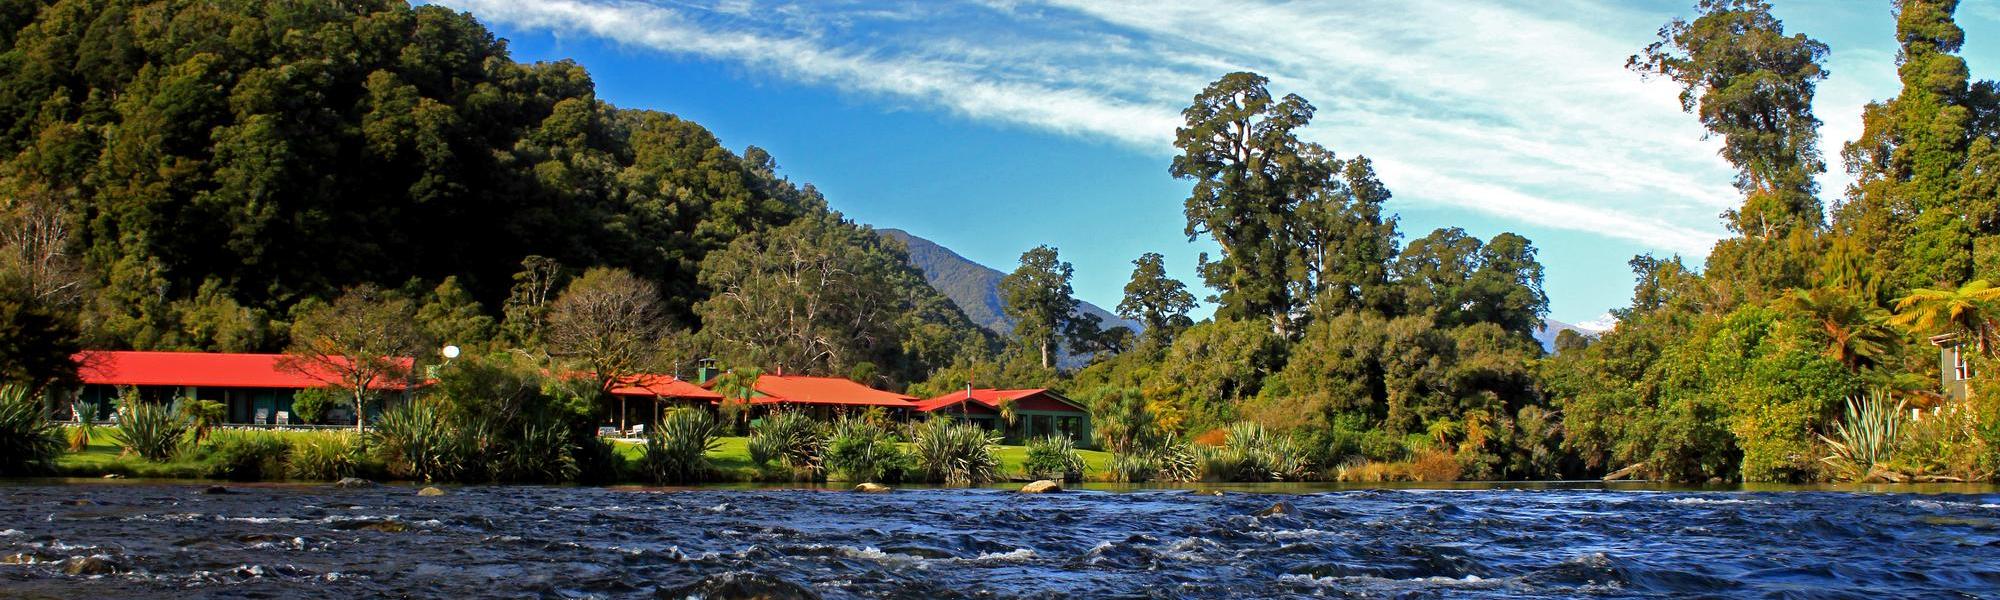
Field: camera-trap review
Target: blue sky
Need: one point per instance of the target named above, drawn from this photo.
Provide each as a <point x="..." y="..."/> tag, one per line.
<point x="993" y="126"/>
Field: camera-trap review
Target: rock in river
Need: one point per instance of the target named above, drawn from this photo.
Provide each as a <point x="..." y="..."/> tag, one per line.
<point x="1042" y="487"/>
<point x="216" y="490"/>
<point x="1280" y="509"/>
<point x="353" y="482"/>
<point x="91" y="565"/>
<point x="741" y="586"/>
<point x="873" y="488"/>
<point x="430" y="491"/>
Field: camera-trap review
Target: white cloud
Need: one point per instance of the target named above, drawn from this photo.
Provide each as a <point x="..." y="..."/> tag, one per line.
<point x="1524" y="112"/>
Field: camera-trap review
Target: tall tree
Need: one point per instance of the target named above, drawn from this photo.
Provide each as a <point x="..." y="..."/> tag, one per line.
<point x="609" y="322"/>
<point x="1039" y="299"/>
<point x="1346" y="243"/>
<point x="1752" y="85"/>
<point x="361" y="342"/>
<point x="1913" y="164"/>
<point x="1240" y="146"/>
<point x="1158" y="302"/>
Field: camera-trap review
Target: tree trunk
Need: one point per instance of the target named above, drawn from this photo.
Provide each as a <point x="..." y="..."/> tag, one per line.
<point x="359" y="415"/>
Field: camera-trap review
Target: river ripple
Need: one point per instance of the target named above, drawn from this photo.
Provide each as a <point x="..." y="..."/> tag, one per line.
<point x="149" y="540"/>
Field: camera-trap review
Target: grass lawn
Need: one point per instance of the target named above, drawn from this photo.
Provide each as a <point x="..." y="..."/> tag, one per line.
<point x="732" y="456"/>
<point x="104" y="455"/>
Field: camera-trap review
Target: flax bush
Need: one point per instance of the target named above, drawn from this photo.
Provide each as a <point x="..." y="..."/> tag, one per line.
<point x="792" y="439"/>
<point x="28" y="442"/>
<point x="149" y="430"/>
<point x="1054" y="457"/>
<point x="324" y="456"/>
<point x="955" y="452"/>
<point x="677" y="450"/>
<point x="863" y="450"/>
<point x="414" y="442"/>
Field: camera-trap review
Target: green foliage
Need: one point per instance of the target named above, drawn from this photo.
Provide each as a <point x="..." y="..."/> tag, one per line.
<point x="955" y="452"/>
<point x="1158" y="302"/>
<point x="1054" y="457"/>
<point x="354" y="343"/>
<point x="791" y="438"/>
<point x="200" y="415"/>
<point x="310" y="405"/>
<point x="324" y="456"/>
<point x="415" y="441"/>
<point x="149" y="430"/>
<point x="821" y="295"/>
<point x="865" y="451"/>
<point x="1038" y="300"/>
<point x="516" y="424"/>
<point x="1251" y="453"/>
<point x="28" y="441"/>
<point x="243" y="455"/>
<point x="676" y="450"/>
<point x="1867" y="437"/>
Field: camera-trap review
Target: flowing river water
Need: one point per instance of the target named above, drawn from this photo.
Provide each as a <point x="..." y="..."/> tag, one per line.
<point x="160" y="539"/>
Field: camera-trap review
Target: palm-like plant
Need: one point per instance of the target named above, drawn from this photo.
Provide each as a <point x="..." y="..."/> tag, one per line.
<point x="1866" y="437"/>
<point x="201" y="416"/>
<point x="28" y="442"/>
<point x="1858" y="332"/>
<point x="1968" y="310"/>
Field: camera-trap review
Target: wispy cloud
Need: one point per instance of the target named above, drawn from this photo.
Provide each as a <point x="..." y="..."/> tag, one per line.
<point x="1519" y="111"/>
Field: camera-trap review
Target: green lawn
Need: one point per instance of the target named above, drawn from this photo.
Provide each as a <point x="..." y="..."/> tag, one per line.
<point x="732" y="457"/>
<point x="104" y="456"/>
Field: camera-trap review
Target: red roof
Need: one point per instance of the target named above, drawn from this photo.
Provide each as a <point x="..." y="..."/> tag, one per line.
<point x="662" y="386"/>
<point x="796" y="389"/>
<point x="1032" y="399"/>
<point x="200" y="369"/>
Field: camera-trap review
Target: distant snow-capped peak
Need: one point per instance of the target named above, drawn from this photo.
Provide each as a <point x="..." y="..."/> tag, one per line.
<point x="1601" y="324"/>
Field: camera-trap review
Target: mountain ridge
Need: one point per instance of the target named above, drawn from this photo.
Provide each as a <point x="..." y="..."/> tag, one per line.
<point x="973" y="286"/>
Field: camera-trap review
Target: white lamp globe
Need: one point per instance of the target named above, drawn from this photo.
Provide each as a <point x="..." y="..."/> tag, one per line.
<point x="450" y="352"/>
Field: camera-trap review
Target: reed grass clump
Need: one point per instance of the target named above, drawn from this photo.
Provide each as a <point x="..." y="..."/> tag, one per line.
<point x="243" y="455"/>
<point x="1867" y="436"/>
<point x="324" y="456"/>
<point x="1054" y="457"/>
<point x="414" y="442"/>
<point x="955" y="452"/>
<point x="861" y="449"/>
<point x="149" y="430"/>
<point x="791" y="439"/>
<point x="1251" y="453"/>
<point x="676" y="450"/>
<point x="28" y="442"/>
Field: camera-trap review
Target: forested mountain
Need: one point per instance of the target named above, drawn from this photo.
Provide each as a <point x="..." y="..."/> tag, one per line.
<point x="974" y="287"/>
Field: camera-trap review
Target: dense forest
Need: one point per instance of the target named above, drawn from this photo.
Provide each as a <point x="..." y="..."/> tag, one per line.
<point x="243" y="176"/>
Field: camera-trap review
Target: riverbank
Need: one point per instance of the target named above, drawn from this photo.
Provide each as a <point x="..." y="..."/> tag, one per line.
<point x="134" y="539"/>
<point x="730" y="462"/>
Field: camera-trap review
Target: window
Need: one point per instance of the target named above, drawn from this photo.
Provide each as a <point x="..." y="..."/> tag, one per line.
<point x="1960" y="370"/>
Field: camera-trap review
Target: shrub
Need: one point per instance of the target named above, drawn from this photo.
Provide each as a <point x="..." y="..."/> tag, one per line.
<point x="28" y="441"/>
<point x="1054" y="457"/>
<point x="676" y="450"/>
<point x="956" y="452"/>
<point x="149" y="430"/>
<point x="861" y="449"/>
<point x="792" y="439"/>
<point x="414" y="442"/>
<point x="311" y="404"/>
<point x="243" y="455"/>
<point x="324" y="456"/>
<point x="1435" y="465"/>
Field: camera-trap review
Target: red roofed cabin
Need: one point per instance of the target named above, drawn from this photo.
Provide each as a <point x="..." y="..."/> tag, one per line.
<point x="1037" y="412"/>
<point x="253" y="387"/>
<point x="659" y="391"/>
<point x="824" y="397"/>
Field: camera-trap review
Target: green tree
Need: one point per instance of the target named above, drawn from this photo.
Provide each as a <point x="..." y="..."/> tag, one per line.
<point x="360" y="342"/>
<point x="1038" y="298"/>
<point x="1910" y="197"/>
<point x="1856" y="332"/>
<point x="1158" y="302"/>
<point x="450" y="315"/>
<point x="1968" y="311"/>
<point x="1240" y="146"/>
<point x="1752" y="85"/>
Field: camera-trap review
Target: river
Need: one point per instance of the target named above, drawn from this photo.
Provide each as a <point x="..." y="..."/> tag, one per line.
<point x="158" y="539"/>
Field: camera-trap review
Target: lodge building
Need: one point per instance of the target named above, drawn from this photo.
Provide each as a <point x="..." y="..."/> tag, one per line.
<point x="258" y="390"/>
